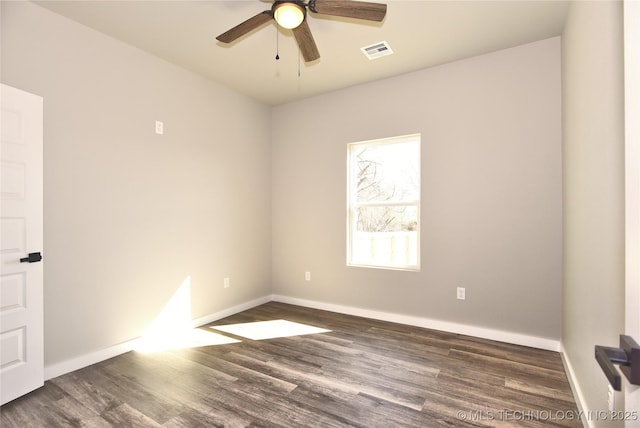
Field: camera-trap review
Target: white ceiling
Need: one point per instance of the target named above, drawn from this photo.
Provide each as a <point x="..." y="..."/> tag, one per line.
<point x="421" y="34"/>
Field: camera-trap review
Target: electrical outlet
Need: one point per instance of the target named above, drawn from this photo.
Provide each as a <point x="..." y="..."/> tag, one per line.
<point x="307" y="276"/>
<point x="611" y="398"/>
<point x="227" y="283"/>
<point x="159" y="127"/>
<point x="461" y="293"/>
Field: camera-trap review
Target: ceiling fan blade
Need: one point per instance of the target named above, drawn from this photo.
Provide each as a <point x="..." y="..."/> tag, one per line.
<point x="245" y="27"/>
<point x="307" y="45"/>
<point x="350" y="9"/>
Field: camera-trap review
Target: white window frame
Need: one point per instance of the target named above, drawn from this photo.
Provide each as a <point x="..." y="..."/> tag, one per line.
<point x="353" y="204"/>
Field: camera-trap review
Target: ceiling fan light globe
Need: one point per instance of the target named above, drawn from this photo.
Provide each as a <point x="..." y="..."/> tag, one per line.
<point x="289" y="15"/>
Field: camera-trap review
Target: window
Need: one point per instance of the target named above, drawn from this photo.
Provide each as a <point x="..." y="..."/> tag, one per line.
<point x="384" y="203"/>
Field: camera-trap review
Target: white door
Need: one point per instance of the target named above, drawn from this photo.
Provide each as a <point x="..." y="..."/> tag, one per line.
<point x="632" y="189"/>
<point x="21" y="230"/>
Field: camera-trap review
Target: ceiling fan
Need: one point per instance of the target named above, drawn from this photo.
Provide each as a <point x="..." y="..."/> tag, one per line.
<point x="291" y="14"/>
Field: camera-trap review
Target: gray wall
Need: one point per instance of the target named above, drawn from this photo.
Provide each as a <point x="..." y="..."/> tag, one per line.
<point x="593" y="141"/>
<point x="130" y="214"/>
<point x="491" y="191"/>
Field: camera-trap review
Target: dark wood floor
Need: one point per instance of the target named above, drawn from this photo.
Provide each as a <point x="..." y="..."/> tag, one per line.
<point x="364" y="373"/>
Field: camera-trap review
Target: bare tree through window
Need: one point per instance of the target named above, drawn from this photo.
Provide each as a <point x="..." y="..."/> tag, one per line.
<point x="384" y="202"/>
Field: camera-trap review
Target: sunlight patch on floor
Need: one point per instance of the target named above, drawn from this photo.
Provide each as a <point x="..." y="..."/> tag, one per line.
<point x="261" y="330"/>
<point x="173" y="327"/>
<point x="192" y="338"/>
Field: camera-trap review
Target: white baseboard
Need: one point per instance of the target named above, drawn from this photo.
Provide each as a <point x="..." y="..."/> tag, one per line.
<point x="85" y="360"/>
<point x="469" y="330"/>
<point x="231" y="311"/>
<point x="575" y="387"/>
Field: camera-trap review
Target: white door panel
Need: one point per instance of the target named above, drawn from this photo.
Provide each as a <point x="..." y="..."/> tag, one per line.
<point x="21" y="232"/>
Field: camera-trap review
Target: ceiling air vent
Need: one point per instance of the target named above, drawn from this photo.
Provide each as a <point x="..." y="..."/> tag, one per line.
<point x="377" y="50"/>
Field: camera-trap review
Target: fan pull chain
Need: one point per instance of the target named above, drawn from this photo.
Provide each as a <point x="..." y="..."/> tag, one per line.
<point x="277" y="46"/>
<point x="298" y="62"/>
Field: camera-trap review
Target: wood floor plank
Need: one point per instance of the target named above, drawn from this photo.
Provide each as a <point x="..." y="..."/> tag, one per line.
<point x="127" y="416"/>
<point x="502" y="401"/>
<point x="362" y="373"/>
<point x="148" y="402"/>
<point x="522" y="354"/>
<point x="91" y="397"/>
<point x="206" y="411"/>
<point x="514" y="369"/>
<point x="563" y="394"/>
<point x="244" y="373"/>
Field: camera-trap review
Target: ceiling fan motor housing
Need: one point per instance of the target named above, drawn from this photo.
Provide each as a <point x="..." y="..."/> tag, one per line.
<point x="289" y="13"/>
